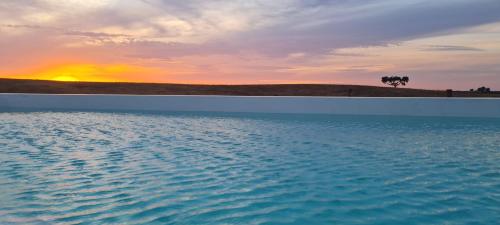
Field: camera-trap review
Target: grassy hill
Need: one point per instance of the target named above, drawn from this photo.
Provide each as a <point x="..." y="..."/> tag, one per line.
<point x="56" y="87"/>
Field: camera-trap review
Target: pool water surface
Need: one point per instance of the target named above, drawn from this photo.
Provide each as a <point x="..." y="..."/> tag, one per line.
<point x="202" y="168"/>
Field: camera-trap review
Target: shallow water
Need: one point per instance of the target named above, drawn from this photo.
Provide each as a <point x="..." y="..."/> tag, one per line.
<point x="119" y="168"/>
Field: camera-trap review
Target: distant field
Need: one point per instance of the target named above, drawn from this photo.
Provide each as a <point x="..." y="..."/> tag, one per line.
<point x="56" y="87"/>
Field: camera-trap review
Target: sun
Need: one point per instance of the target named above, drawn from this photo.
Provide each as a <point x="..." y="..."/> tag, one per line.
<point x="65" y="78"/>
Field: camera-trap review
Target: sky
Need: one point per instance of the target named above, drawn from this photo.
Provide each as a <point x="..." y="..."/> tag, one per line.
<point x="438" y="44"/>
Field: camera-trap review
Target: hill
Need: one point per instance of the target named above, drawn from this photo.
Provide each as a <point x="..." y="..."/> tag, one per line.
<point x="57" y="87"/>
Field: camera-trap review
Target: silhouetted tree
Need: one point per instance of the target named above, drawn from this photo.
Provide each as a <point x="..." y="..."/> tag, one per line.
<point x="395" y="81"/>
<point x="484" y="90"/>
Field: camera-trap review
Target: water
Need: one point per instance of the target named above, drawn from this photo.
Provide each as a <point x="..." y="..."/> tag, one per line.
<point x="119" y="168"/>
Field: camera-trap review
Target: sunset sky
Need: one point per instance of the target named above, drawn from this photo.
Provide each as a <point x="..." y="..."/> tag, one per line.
<point x="438" y="43"/>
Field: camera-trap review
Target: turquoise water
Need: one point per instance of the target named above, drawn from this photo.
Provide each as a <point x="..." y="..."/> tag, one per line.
<point x="119" y="168"/>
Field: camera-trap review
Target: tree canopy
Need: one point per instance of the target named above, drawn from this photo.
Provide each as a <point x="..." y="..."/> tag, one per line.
<point x="395" y="81"/>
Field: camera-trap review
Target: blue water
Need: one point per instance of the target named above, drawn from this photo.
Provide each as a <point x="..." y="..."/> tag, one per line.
<point x="119" y="168"/>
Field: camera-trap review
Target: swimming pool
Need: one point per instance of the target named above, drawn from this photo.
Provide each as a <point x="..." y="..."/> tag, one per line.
<point x="213" y="168"/>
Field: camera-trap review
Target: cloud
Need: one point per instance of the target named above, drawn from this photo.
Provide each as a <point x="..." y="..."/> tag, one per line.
<point x="93" y="34"/>
<point x="278" y="28"/>
<point x="247" y="37"/>
<point x="320" y="27"/>
<point x="378" y="23"/>
<point x="17" y="26"/>
<point x="446" y="48"/>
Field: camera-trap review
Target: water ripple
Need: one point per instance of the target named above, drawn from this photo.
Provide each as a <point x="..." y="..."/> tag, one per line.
<point x="119" y="168"/>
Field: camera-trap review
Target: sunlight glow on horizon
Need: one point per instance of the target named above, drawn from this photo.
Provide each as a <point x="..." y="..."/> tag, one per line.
<point x="87" y="73"/>
<point x="65" y="78"/>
